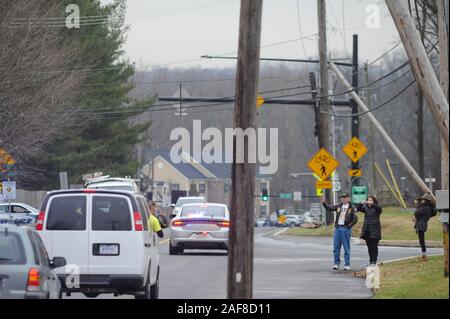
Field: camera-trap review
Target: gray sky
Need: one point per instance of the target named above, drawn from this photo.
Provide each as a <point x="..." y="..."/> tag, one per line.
<point x="167" y="32"/>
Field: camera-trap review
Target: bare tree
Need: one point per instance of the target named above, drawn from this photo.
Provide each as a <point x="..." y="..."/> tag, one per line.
<point x="37" y="87"/>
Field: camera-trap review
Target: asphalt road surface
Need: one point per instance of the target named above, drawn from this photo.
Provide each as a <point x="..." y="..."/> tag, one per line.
<point x="285" y="267"/>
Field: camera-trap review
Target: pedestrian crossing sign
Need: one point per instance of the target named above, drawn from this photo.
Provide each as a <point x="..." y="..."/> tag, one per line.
<point x="323" y="164"/>
<point x="355" y="149"/>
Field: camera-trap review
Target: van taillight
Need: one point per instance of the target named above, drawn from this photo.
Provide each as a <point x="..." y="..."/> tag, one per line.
<point x="40" y="220"/>
<point x="33" y="279"/>
<point x="137" y="221"/>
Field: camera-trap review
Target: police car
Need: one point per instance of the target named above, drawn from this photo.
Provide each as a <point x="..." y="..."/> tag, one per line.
<point x="18" y="213"/>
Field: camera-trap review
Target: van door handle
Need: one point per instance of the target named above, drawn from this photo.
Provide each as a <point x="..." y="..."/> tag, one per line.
<point x="148" y="245"/>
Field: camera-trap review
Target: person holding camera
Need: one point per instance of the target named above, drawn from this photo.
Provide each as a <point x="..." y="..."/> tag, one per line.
<point x="371" y="229"/>
<point x="425" y="209"/>
<point x="153" y="222"/>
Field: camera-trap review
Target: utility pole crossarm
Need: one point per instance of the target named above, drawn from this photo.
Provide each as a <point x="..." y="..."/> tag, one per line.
<point x="421" y="65"/>
<point x="420" y="183"/>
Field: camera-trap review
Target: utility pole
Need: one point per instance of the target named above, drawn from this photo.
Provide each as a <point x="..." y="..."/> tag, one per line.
<point x="420" y="132"/>
<point x="421" y="66"/>
<point x="324" y="130"/>
<point x="420" y="183"/>
<point x="443" y="16"/>
<point x="373" y="174"/>
<point x="443" y="13"/>
<point x="313" y="85"/>
<point x="240" y="253"/>
<point x="353" y="104"/>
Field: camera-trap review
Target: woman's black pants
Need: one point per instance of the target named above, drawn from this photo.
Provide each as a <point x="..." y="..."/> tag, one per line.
<point x="372" y="247"/>
<point x="421" y="234"/>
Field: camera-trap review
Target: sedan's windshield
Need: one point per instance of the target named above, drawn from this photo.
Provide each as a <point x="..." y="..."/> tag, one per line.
<point x="202" y="211"/>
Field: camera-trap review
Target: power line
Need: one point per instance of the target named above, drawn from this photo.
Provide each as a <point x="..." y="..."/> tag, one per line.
<point x="101" y="20"/>
<point x="376" y="107"/>
<point x="301" y="29"/>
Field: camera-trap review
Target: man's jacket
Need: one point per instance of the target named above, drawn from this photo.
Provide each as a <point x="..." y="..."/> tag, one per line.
<point x="350" y="217"/>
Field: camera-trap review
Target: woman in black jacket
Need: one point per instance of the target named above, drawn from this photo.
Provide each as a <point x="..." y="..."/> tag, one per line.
<point x="371" y="229"/>
<point x="425" y="209"/>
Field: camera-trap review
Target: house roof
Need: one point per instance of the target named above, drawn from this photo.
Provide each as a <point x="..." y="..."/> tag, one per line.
<point x="186" y="169"/>
<point x="219" y="170"/>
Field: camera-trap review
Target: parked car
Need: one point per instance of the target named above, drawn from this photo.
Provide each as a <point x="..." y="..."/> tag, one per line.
<point x="105" y="233"/>
<point x="185" y="200"/>
<point x="200" y="226"/>
<point x="293" y="220"/>
<point x="259" y="222"/>
<point x="114" y="183"/>
<point x="26" y="272"/>
<point x="19" y="213"/>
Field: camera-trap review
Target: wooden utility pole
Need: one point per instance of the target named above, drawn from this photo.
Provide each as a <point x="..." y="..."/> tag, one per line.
<point x="240" y="250"/>
<point x="372" y="150"/>
<point x="324" y="122"/>
<point x="443" y="15"/>
<point x="421" y="66"/>
<point x="420" y="183"/>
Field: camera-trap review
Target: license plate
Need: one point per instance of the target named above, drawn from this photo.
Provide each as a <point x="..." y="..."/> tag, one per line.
<point x="108" y="249"/>
<point x="200" y="235"/>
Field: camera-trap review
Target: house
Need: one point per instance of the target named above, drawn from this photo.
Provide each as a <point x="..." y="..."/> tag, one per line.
<point x="172" y="180"/>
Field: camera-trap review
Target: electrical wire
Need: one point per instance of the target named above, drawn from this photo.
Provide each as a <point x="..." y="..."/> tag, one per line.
<point x="300" y="29"/>
<point x="376" y="107"/>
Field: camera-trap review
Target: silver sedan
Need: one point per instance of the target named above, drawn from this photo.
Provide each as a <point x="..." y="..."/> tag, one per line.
<point x="200" y="226"/>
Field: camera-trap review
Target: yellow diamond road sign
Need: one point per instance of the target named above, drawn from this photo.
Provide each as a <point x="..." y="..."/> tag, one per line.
<point x="323" y="164"/>
<point x="355" y="149"/>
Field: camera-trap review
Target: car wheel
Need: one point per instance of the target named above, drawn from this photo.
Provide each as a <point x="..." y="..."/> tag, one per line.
<point x="147" y="290"/>
<point x="154" y="289"/>
<point x="172" y="250"/>
<point x="292" y="225"/>
<point x="91" y="294"/>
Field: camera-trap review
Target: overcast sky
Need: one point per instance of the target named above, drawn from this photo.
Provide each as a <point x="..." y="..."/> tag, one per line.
<point x="174" y="32"/>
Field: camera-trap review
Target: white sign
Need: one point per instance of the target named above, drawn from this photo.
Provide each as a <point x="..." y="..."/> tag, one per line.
<point x="297" y="196"/>
<point x="337" y="186"/>
<point x="9" y="190"/>
<point x="430" y="180"/>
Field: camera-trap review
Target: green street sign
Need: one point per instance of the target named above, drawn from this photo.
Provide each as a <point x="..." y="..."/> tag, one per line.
<point x="359" y="194"/>
<point x="286" y="196"/>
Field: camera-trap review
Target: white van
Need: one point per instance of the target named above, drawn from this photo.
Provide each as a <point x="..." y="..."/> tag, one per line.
<point x="104" y="235"/>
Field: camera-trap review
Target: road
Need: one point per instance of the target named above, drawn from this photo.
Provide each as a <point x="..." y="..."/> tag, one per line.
<point x="286" y="267"/>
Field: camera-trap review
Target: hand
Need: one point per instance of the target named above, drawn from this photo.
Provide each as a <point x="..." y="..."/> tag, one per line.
<point x="322" y="200"/>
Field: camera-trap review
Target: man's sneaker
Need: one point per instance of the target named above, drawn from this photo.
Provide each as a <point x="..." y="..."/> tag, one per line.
<point x="335" y="267"/>
<point x="347" y="268"/>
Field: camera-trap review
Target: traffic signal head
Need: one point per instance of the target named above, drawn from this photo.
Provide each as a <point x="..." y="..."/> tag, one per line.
<point x="264" y="195"/>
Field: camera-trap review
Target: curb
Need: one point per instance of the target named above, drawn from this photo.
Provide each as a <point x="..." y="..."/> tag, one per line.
<point x="405" y="258"/>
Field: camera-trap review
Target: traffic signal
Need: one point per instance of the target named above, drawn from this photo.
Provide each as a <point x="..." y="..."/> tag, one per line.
<point x="264" y="195"/>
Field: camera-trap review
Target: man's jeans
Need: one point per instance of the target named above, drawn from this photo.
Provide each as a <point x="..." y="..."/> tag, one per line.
<point x="342" y="235"/>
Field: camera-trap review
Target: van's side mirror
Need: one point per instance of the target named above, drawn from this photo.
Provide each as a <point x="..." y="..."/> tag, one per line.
<point x="57" y="262"/>
<point x="163" y="221"/>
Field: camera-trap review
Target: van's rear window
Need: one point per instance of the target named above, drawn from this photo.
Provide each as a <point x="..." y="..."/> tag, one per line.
<point x="67" y="213"/>
<point x="110" y="213"/>
<point x="11" y="249"/>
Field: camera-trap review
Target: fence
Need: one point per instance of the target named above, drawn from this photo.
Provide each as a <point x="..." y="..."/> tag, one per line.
<point x="32" y="198"/>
